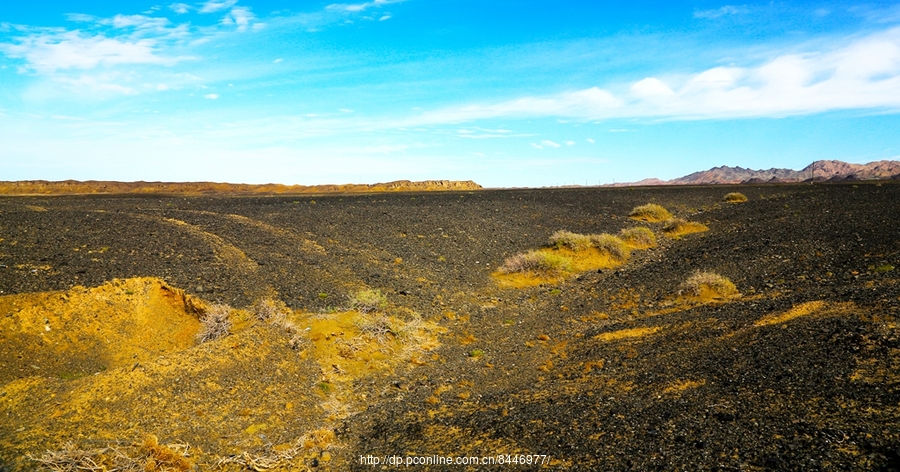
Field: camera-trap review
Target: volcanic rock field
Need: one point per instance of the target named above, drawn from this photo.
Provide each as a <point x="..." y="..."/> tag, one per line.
<point x="367" y="326"/>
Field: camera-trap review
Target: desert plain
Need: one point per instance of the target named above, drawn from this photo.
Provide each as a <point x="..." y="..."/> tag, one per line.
<point x="382" y="324"/>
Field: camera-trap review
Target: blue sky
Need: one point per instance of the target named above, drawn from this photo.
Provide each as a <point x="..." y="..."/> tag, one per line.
<point x="506" y="93"/>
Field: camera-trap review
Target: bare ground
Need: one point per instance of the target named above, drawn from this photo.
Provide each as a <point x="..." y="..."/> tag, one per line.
<point x="606" y="370"/>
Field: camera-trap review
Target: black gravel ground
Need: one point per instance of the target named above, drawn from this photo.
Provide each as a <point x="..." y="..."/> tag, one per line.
<point x="819" y="392"/>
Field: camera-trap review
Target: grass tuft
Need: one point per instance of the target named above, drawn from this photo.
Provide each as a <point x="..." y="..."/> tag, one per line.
<point x="639" y="237"/>
<point x="735" y="197"/>
<point x="698" y="281"/>
<point x="677" y="227"/>
<point x="612" y="245"/>
<point x="650" y="212"/>
<point x="537" y="262"/>
<point x="215" y="323"/>
<point x="368" y="301"/>
<point x="567" y="239"/>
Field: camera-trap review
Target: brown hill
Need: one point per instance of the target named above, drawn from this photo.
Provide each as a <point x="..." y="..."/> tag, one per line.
<point x="73" y="187"/>
<point x="818" y="171"/>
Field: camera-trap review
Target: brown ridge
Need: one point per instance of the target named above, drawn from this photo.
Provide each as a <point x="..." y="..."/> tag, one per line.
<point x="75" y="187"/>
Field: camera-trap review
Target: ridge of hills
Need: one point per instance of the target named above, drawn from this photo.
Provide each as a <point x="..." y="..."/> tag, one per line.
<point x="818" y="171"/>
<point x="71" y="187"/>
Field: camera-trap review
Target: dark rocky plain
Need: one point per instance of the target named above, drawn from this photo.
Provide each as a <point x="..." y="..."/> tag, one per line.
<point x="708" y="387"/>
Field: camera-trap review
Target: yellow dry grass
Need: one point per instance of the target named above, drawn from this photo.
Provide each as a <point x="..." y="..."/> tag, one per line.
<point x="682" y="385"/>
<point x="676" y="228"/>
<point x="651" y="213"/>
<point x="803" y="309"/>
<point x="735" y="197"/>
<point x="626" y="334"/>
<point x="579" y="261"/>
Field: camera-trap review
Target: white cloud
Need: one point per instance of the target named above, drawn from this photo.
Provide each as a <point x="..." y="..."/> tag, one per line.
<point x="590" y="140"/>
<point x="240" y="16"/>
<point x="486" y="133"/>
<point x="81" y="17"/>
<point x="578" y="103"/>
<point x="49" y="52"/>
<point x="358" y="7"/>
<point x="211" y="96"/>
<point x="212" y="6"/>
<point x="537" y="146"/>
<point x="651" y="87"/>
<point x="859" y="74"/>
<point x="136" y="21"/>
<point x="385" y="17"/>
<point x="277" y="61"/>
<point x="570" y="143"/>
<point x="180" y="8"/>
<point x="103" y="84"/>
<point x="720" y="12"/>
<point x="549" y="143"/>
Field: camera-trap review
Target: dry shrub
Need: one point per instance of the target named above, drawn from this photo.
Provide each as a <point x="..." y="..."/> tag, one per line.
<point x="650" y="212"/>
<point x="308" y="444"/>
<point x="161" y="457"/>
<point x="611" y="245"/>
<point x="713" y="281"/>
<point x="276" y="312"/>
<point x="735" y="197"/>
<point x="639" y="237"/>
<point x="368" y="301"/>
<point x="148" y="455"/>
<point x="271" y="310"/>
<point x="677" y="227"/>
<point x="215" y="323"/>
<point x="536" y="262"/>
<point x="378" y="326"/>
<point x="567" y="239"/>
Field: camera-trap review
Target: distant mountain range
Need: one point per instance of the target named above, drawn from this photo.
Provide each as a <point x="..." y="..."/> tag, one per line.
<point x="818" y="171"/>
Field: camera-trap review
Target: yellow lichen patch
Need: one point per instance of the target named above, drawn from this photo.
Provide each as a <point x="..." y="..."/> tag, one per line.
<point x="677" y="228"/>
<point x="803" y="309"/>
<point x="626" y="334"/>
<point x="82" y="331"/>
<point x="682" y="385"/>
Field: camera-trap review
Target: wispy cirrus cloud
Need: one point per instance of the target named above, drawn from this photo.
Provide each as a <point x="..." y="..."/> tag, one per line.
<point x="358" y="7"/>
<point x="48" y="52"/>
<point x="212" y="6"/>
<point x="240" y="17"/>
<point x="180" y="8"/>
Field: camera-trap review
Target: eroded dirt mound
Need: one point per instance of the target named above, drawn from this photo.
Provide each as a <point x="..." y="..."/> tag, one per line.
<point x="83" y="331"/>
